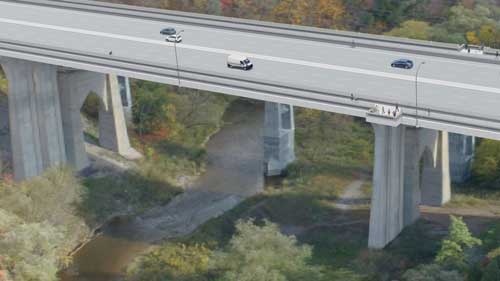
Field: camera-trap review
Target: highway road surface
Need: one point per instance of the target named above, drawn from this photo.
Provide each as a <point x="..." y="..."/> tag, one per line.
<point x="455" y="92"/>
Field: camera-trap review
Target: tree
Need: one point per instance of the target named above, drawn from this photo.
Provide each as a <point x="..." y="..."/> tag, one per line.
<point x="254" y="9"/>
<point x="472" y="38"/>
<point x="151" y="111"/>
<point x="171" y="262"/>
<point x="486" y="166"/>
<point x="412" y="29"/>
<point x="262" y="253"/>
<point x="319" y="13"/>
<point x="452" y="249"/>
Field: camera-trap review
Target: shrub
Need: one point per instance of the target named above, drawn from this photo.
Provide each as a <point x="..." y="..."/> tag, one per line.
<point x="171" y="262"/>
<point x="492" y="271"/>
<point x="452" y="249"/>
<point x="29" y="251"/>
<point x="431" y="272"/>
<point x="491" y="238"/>
<point x="151" y="110"/>
<point x="486" y="166"/>
<point x="259" y="253"/>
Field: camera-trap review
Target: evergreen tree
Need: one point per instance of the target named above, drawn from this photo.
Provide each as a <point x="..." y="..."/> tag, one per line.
<point x="452" y="252"/>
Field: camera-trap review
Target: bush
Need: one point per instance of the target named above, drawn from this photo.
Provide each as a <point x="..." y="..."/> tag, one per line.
<point x="151" y="110"/>
<point x="492" y="271"/>
<point x="431" y="272"/>
<point x="491" y="238"/>
<point x="486" y="166"/>
<point x="452" y="252"/>
<point x="259" y="253"/>
<point x="29" y="251"/>
<point x="172" y="262"/>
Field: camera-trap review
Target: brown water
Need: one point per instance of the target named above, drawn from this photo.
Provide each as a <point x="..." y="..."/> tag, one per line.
<point x="234" y="168"/>
<point x="104" y="258"/>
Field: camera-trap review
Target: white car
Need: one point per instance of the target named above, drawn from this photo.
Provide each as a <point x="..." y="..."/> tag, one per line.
<point x="174" y="38"/>
<point x="237" y="61"/>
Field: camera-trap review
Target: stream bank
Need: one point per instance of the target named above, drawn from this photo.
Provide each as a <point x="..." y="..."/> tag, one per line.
<point x="233" y="173"/>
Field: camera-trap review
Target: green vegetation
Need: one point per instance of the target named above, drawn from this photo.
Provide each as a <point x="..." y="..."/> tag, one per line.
<point x="172" y="262"/>
<point x="327" y="139"/>
<point x="254" y="253"/>
<point x="432" y="272"/>
<point x="122" y="194"/>
<point x="486" y="167"/>
<point x="453" y="249"/>
<point x="171" y="128"/>
<point x="38" y="225"/>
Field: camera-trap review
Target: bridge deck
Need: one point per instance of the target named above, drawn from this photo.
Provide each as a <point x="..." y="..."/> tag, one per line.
<point x="308" y="67"/>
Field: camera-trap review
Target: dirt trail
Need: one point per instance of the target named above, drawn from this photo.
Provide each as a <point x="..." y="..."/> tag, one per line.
<point x="351" y="196"/>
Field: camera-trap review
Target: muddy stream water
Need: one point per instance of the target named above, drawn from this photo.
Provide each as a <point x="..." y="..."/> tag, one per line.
<point x="234" y="172"/>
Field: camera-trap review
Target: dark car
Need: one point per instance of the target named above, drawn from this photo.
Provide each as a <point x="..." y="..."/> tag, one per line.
<point x="402" y="63"/>
<point x="168" y="31"/>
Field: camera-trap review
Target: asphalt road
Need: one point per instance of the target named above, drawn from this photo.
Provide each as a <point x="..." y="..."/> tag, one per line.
<point x="447" y="87"/>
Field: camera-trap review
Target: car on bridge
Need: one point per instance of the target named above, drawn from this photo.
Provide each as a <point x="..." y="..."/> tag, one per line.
<point x="172" y="35"/>
<point x="238" y="61"/>
<point x="402" y="63"/>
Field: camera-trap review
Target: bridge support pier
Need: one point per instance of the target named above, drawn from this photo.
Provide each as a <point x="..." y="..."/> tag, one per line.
<point x="279" y="138"/>
<point x="462" y="150"/>
<point x="436" y="187"/>
<point x="75" y="86"/>
<point x="113" y="133"/>
<point x="386" y="215"/>
<point x="35" y="117"/>
<point x="412" y="193"/>
<point x="399" y="183"/>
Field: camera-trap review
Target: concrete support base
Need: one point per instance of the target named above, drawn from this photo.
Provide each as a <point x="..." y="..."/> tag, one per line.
<point x="436" y="187"/>
<point x="279" y="138"/>
<point x="75" y="86"/>
<point x="386" y="216"/>
<point x="462" y="149"/>
<point x="412" y="192"/>
<point x="35" y="117"/>
<point x="113" y="133"/>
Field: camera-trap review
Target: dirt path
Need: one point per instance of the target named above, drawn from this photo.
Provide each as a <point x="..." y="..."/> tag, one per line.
<point x="351" y="196"/>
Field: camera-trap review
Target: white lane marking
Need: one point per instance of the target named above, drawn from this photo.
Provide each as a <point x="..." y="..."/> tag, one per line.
<point x="305" y="42"/>
<point x="263" y="57"/>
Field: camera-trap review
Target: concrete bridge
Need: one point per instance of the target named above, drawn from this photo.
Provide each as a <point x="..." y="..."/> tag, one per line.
<point x="55" y="52"/>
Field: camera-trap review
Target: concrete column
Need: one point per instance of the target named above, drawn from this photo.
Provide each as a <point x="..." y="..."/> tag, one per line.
<point x="436" y="189"/>
<point x="279" y="138"/>
<point x="412" y="193"/>
<point x="113" y="133"/>
<point x="74" y="87"/>
<point x="126" y="96"/>
<point x="387" y="215"/>
<point x="35" y="117"/>
<point x="462" y="150"/>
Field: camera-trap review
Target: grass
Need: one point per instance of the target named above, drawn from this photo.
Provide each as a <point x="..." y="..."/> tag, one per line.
<point x="473" y="195"/>
<point x="128" y="193"/>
